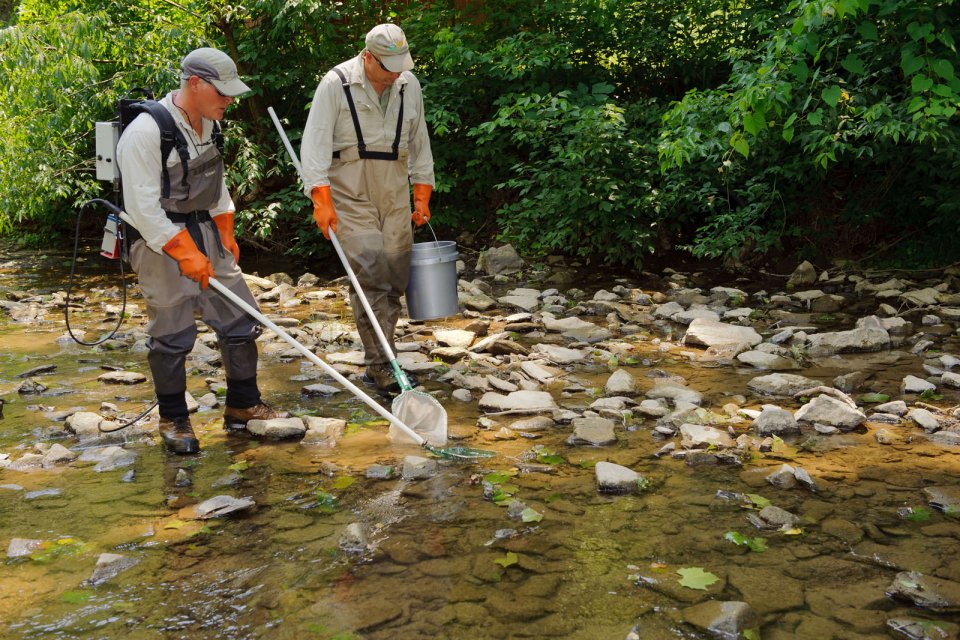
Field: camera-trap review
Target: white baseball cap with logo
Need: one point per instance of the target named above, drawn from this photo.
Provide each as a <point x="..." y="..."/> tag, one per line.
<point x="387" y="42"/>
<point x="215" y="67"/>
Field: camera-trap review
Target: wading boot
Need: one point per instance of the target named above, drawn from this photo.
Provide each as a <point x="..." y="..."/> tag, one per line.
<point x="237" y="419"/>
<point x="178" y="436"/>
<point x="381" y="377"/>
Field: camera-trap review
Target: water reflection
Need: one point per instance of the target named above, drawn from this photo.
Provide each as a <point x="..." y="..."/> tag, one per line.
<point x="444" y="562"/>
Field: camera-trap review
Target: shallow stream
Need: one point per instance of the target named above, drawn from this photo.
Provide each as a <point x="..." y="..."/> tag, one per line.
<point x="436" y="566"/>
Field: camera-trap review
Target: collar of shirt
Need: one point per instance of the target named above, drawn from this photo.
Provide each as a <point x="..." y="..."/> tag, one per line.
<point x="184" y="125"/>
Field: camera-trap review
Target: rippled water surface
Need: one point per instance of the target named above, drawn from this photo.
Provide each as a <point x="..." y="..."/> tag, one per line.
<point x="436" y="566"/>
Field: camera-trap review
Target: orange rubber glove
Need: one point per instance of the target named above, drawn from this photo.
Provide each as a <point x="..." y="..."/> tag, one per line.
<point x="421" y="204"/>
<point x="323" y="211"/>
<point x="193" y="264"/>
<point x="224" y="223"/>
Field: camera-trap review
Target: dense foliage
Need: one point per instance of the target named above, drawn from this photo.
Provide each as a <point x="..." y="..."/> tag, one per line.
<point x="604" y="129"/>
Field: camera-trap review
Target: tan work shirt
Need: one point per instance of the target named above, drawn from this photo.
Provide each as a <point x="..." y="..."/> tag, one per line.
<point x="138" y="157"/>
<point x="330" y="126"/>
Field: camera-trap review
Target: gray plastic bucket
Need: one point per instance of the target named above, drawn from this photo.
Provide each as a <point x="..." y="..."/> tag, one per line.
<point x="432" y="290"/>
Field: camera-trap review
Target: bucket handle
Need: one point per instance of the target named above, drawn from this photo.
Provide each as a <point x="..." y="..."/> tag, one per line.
<point x="436" y="244"/>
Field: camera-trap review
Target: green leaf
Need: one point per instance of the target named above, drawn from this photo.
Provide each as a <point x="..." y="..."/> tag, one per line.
<point x="498" y="477"/>
<point x="868" y="31"/>
<point x="831" y="95"/>
<point x="815" y="118"/>
<point x="921" y="83"/>
<point x="696" y="578"/>
<point x="76" y="597"/>
<point x="800" y="70"/>
<point x="507" y="560"/>
<point x="788" y="134"/>
<point x="853" y="63"/>
<point x="919" y="514"/>
<point x="531" y="515"/>
<point x="943" y="68"/>
<point x="757" y="545"/>
<point x="874" y="398"/>
<point x="342" y="482"/>
<point x="909" y="62"/>
<point x="742" y="147"/>
<point x="758" y="501"/>
<point x="240" y="466"/>
<point x="930" y="395"/>
<point x="754" y="122"/>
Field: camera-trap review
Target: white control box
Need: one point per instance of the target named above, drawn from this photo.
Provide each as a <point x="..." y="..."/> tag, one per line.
<point x="108" y="133"/>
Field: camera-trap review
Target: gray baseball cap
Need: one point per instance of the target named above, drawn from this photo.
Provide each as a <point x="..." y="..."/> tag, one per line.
<point x="388" y="43"/>
<point x="215" y="67"/>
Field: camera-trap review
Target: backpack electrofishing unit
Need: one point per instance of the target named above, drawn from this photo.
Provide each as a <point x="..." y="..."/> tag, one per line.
<point x="118" y="235"/>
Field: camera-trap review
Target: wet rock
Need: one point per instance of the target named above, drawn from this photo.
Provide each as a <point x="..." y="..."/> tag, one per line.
<point x="537" y="423"/>
<point x="502" y="260"/>
<point x="767" y="361"/>
<point x="841" y="529"/>
<point x="695" y="436"/>
<point x="830" y="411"/>
<point x="620" y="383"/>
<point x="885" y="436"/>
<point x="727" y="620"/>
<point x="560" y="355"/>
<point x="677" y="394"/>
<point x="711" y="333"/>
<point x="596" y="432"/>
<point x="58" y="454"/>
<point x="31" y="387"/>
<point x="915" y="385"/>
<point x="804" y="275"/>
<point x="925" y="592"/>
<point x="454" y="338"/>
<point x="122" y="377"/>
<point x="26" y="463"/>
<point x="278" y="428"/>
<point x="540" y="373"/>
<point x="850" y="382"/>
<point x="654" y="408"/>
<point x="354" y="538"/>
<point x="319" y="391"/>
<point x="776" y="518"/>
<point x="379" y="472"/>
<point x="462" y="395"/>
<point x="783" y="477"/>
<point x="923" y="629"/>
<point x="108" y="458"/>
<point x="518" y="402"/>
<point x="921" y="297"/>
<point x="20" y="547"/>
<point x="950" y="380"/>
<point x="869" y="335"/>
<point x="780" y="384"/>
<point x="217" y="507"/>
<point x="945" y="498"/>
<point x="109" y="566"/>
<point x="924" y="419"/>
<point x="774" y="420"/>
<point x="897" y="408"/>
<point x="418" y="468"/>
<point x="614" y="478"/>
<point x="499" y="344"/>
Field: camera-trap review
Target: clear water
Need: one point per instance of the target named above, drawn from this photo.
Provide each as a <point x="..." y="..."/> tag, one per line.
<point x="435" y="567"/>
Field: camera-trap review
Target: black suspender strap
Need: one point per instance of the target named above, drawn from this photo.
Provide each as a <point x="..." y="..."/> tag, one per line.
<point x="170" y="138"/>
<point x="361" y="145"/>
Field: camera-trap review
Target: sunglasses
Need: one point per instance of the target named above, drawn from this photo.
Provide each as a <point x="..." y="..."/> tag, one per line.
<point x="219" y="93"/>
<point x="379" y="62"/>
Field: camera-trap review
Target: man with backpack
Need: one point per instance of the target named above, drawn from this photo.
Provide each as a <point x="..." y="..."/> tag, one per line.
<point x="365" y="142"/>
<point x="172" y="173"/>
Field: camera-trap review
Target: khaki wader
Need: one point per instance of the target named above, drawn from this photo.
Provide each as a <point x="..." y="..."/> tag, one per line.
<point x="372" y="202"/>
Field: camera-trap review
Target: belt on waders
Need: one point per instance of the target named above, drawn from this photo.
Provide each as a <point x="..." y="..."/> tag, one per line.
<point x="361" y="145"/>
<point x="192" y="221"/>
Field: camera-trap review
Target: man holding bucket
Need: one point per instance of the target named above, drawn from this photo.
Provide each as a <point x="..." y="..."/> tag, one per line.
<point x="365" y="141"/>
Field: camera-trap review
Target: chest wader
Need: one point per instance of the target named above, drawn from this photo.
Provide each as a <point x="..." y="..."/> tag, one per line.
<point x="370" y="190"/>
<point x="188" y="190"/>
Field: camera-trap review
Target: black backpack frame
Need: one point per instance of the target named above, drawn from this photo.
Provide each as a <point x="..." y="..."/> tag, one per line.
<point x="170" y="135"/>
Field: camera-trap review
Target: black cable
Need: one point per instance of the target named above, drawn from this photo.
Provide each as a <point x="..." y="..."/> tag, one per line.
<point x="123" y="287"/>
<point x="73" y="267"/>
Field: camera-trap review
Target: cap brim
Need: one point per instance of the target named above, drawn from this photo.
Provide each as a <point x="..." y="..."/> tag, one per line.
<point x="231" y="88"/>
<point x="398" y="63"/>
